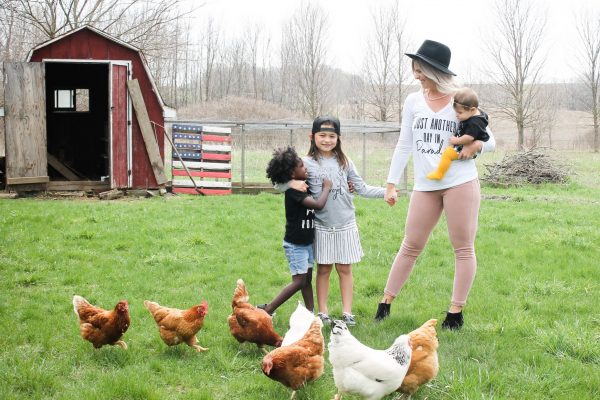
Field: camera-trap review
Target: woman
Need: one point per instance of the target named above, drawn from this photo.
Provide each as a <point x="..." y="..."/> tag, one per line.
<point x="428" y="122"/>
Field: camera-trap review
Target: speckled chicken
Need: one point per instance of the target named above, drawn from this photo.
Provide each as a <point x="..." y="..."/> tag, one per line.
<point x="361" y="370"/>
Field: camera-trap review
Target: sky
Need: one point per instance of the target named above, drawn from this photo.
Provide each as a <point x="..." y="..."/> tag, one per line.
<point x="462" y="25"/>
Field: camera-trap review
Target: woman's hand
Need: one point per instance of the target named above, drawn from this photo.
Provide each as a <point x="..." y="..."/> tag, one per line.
<point x="469" y="150"/>
<point x="300" y="186"/>
<point x="391" y="195"/>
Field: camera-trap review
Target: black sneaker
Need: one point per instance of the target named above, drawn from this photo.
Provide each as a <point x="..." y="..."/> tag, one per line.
<point x="453" y="321"/>
<point x="348" y="319"/>
<point x="263" y="307"/>
<point x="383" y="311"/>
<point x="325" y="318"/>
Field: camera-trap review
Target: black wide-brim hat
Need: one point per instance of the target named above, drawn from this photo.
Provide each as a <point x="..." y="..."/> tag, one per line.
<point x="435" y="54"/>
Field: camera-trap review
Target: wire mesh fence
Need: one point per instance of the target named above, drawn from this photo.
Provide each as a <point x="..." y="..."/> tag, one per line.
<point x="370" y="147"/>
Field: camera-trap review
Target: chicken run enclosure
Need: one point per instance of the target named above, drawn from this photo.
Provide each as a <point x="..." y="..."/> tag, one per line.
<point x="369" y="146"/>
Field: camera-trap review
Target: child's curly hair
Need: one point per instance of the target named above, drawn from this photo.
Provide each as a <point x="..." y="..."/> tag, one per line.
<point x="282" y="165"/>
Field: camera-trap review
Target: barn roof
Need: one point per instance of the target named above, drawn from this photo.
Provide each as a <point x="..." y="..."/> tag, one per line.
<point x="167" y="111"/>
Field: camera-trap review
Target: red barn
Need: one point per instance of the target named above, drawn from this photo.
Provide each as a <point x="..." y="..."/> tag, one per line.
<point x="92" y="133"/>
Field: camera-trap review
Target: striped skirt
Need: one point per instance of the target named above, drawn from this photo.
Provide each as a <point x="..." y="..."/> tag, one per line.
<point x="337" y="245"/>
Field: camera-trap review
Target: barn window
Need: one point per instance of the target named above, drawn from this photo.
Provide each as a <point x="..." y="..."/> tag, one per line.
<point x="77" y="100"/>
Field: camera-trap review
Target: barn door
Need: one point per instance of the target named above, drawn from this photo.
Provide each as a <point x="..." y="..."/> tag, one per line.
<point x="120" y="129"/>
<point x="25" y="122"/>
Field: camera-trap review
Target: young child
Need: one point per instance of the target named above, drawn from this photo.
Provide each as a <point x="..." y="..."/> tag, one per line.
<point x="336" y="235"/>
<point x="299" y="227"/>
<point x="472" y="126"/>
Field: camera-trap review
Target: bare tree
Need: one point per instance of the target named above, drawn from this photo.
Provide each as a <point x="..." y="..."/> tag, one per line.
<point x="306" y="40"/>
<point x="588" y="28"/>
<point x="404" y="72"/>
<point x="285" y="71"/>
<point x="253" y="40"/>
<point x="139" y="22"/>
<point x="267" y="73"/>
<point x="544" y="115"/>
<point x="210" y="44"/>
<point x="380" y="65"/>
<point x="14" y="41"/>
<point x="231" y="68"/>
<point x="516" y="52"/>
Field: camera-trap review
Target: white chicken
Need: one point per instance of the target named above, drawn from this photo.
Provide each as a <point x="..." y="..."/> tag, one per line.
<point x="361" y="370"/>
<point x="300" y="321"/>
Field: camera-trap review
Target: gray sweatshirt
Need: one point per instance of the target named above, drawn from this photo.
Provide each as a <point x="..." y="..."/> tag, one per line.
<point x="339" y="209"/>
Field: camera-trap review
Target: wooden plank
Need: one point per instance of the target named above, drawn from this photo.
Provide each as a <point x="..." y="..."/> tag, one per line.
<point x="208" y="192"/>
<point x="216" y="129"/>
<point x="182" y="182"/>
<point x="202" y="174"/>
<point x="147" y="133"/>
<point x="111" y="194"/>
<point x="187" y="136"/>
<point x="216" y="147"/>
<point x="25" y="120"/>
<point x="216" y="156"/>
<point x="2" y="140"/>
<point x="119" y="174"/>
<point x="27" y="180"/>
<point x="61" y="168"/>
<point x="78" y="185"/>
<point x="215" y="138"/>
<point x="186" y="128"/>
<point x="203" y="165"/>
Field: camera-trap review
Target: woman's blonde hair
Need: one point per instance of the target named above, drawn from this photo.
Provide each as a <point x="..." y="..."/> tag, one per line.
<point x="445" y="82"/>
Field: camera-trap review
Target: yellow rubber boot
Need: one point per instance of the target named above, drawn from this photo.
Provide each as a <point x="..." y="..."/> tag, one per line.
<point x="448" y="156"/>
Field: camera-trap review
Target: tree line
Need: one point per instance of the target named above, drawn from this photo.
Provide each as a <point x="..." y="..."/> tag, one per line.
<point x="294" y="73"/>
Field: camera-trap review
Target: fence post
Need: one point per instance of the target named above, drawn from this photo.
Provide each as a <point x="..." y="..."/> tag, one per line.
<point x="243" y="167"/>
<point x="364" y="156"/>
<point x="291" y="138"/>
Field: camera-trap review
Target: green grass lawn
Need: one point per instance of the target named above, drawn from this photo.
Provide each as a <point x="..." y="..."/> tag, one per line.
<point x="532" y="325"/>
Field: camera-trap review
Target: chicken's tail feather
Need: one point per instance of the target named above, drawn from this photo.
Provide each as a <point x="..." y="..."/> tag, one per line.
<point x="240" y="294"/>
<point x="79" y="302"/>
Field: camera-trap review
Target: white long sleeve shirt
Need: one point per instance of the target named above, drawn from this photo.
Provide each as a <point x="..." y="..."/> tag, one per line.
<point x="424" y="134"/>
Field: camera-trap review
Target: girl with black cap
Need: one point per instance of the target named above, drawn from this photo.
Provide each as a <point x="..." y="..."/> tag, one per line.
<point x="337" y="241"/>
<point x="428" y="122"/>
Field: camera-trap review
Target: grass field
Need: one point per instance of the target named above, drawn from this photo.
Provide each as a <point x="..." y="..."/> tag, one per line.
<point x="532" y="326"/>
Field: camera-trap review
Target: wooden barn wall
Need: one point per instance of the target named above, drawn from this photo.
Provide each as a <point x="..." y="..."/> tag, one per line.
<point x="86" y="44"/>
<point x="2" y="140"/>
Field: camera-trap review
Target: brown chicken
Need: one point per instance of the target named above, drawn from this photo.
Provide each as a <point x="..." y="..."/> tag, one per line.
<point x="299" y="362"/>
<point x="424" y="364"/>
<point x="100" y="326"/>
<point x="250" y="324"/>
<point x="179" y="326"/>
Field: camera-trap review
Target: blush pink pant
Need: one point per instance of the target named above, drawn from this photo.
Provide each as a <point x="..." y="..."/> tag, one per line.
<point x="461" y="206"/>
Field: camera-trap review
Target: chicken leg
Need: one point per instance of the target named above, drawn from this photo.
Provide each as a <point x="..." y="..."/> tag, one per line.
<point x="121" y="344"/>
<point x="193" y="342"/>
